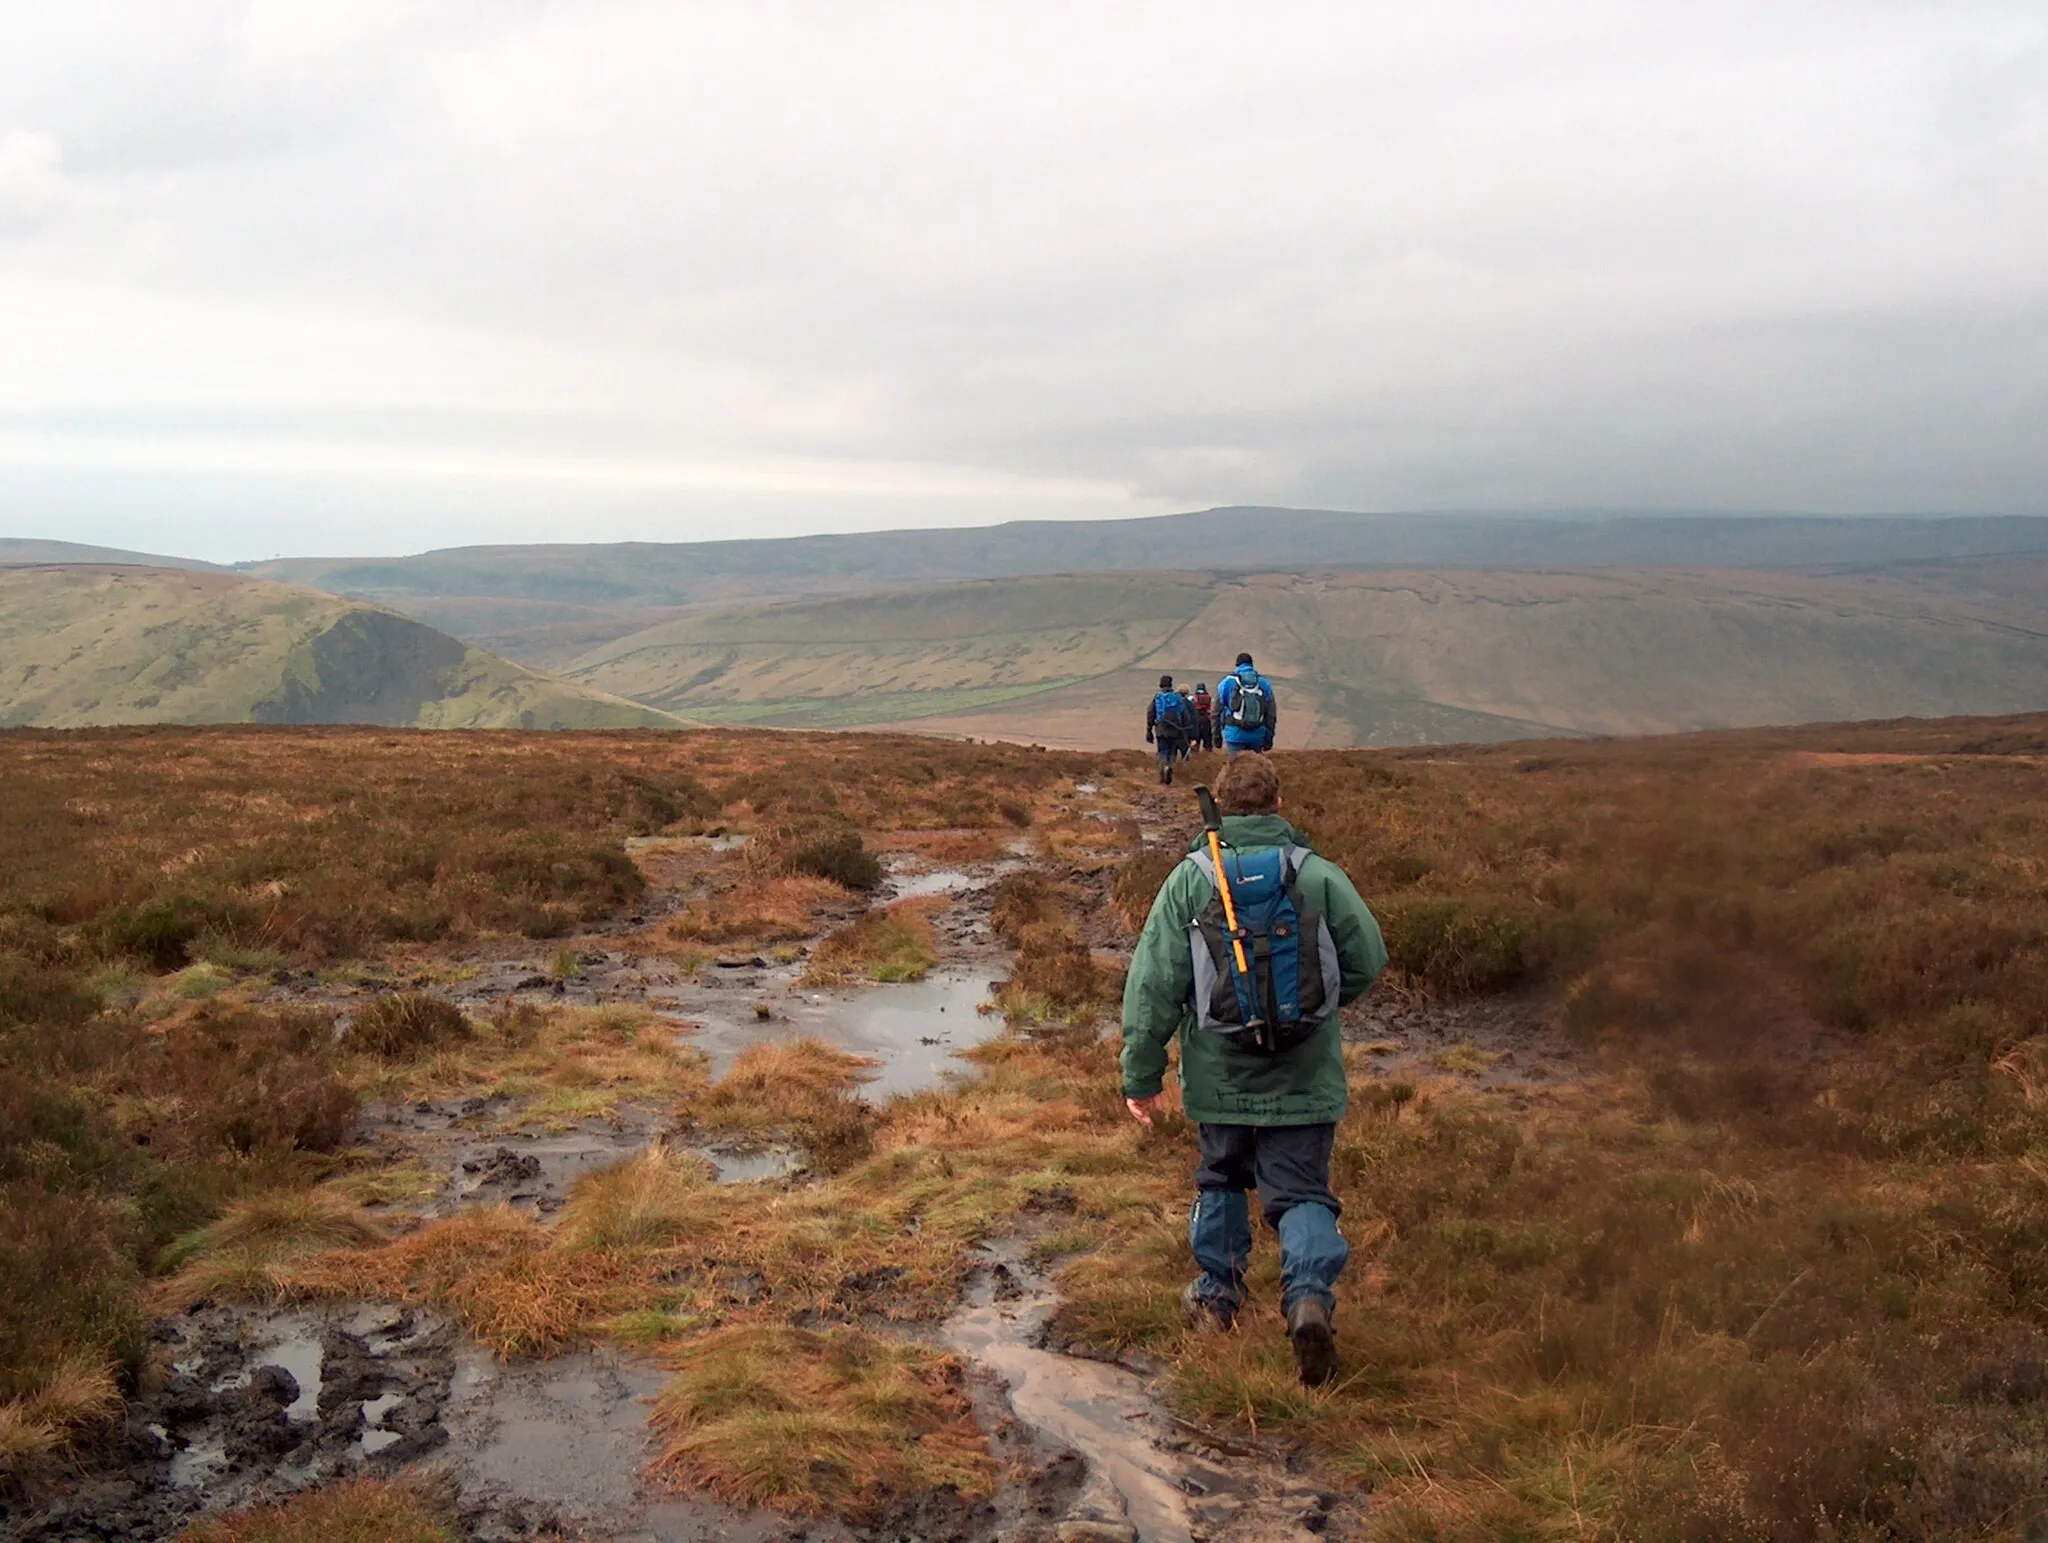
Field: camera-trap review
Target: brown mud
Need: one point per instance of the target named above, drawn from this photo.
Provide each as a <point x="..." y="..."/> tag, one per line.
<point x="253" y="1404"/>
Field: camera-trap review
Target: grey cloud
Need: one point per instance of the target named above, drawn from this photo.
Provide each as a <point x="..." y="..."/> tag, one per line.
<point x="1015" y="258"/>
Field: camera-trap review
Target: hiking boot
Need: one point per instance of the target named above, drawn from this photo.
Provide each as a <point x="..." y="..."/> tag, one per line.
<point x="1315" y="1341"/>
<point x="1166" y="773"/>
<point x="1203" y="1314"/>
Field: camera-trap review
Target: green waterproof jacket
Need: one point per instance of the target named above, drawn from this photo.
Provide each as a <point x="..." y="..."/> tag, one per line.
<point x="1220" y="1084"/>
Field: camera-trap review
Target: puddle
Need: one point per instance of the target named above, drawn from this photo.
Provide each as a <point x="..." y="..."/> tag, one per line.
<point x="751" y="1167"/>
<point x="1101" y="1411"/>
<point x="947" y="881"/>
<point x="1146" y="1475"/>
<point x="532" y="1171"/>
<point x="911" y="1033"/>
<point x="568" y="1435"/>
<point x="262" y="1403"/>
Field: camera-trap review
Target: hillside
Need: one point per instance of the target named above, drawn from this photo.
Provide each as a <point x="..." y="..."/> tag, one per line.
<point x="18" y="551"/>
<point x="1365" y="658"/>
<point x="545" y="605"/>
<point x="82" y="646"/>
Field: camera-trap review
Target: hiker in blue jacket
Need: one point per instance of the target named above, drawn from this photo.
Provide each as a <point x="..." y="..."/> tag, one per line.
<point x="1246" y="708"/>
<point x="1169" y="724"/>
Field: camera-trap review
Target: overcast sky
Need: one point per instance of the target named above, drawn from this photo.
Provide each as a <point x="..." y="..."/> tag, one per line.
<point x="320" y="276"/>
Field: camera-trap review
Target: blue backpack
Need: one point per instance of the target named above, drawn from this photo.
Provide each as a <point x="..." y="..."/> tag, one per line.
<point x="1247" y="708"/>
<point x="1295" y="977"/>
<point x="1171" y="715"/>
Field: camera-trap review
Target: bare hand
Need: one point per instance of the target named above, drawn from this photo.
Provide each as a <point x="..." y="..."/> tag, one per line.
<point x="1143" y="1109"/>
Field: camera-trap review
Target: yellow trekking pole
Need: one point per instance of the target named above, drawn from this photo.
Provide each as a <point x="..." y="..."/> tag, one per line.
<point x="1212" y="822"/>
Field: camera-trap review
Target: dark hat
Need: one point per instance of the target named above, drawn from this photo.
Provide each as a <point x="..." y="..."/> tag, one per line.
<point x="1244" y="658"/>
<point x="1165" y="680"/>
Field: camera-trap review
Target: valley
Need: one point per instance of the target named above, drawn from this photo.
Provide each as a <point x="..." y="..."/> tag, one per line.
<point x="1363" y="658"/>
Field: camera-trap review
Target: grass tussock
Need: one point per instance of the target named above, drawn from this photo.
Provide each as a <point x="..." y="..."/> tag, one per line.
<point x="827" y="847"/>
<point x="806" y="1089"/>
<point x="1585" y="1315"/>
<point x="835" y="1423"/>
<point x="653" y="1199"/>
<point x="248" y="1251"/>
<point x="564" y="1063"/>
<point x="73" y="1399"/>
<point x="407" y="1023"/>
<point x="776" y="910"/>
<point x="1137" y="884"/>
<point x="1056" y="978"/>
<point x="495" y="1272"/>
<point x="351" y="1511"/>
<point x="890" y="945"/>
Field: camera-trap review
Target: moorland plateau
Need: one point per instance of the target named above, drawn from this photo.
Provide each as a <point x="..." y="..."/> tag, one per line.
<point x="1696" y="1171"/>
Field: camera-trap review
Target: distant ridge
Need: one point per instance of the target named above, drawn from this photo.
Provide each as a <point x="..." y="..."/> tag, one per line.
<point x="18" y="551"/>
<point x="1385" y="656"/>
<point x="549" y="604"/>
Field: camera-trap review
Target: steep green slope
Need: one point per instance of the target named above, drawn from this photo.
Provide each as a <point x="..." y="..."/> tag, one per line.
<point x="92" y="645"/>
<point x="1364" y="658"/>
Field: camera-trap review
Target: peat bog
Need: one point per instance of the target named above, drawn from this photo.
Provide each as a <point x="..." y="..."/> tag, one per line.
<point x="1697" y="1169"/>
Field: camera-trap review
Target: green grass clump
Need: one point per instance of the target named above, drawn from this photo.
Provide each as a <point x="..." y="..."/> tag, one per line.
<point x="891" y="945"/>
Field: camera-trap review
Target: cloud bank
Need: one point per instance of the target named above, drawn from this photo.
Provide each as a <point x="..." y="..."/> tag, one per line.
<point x="294" y="276"/>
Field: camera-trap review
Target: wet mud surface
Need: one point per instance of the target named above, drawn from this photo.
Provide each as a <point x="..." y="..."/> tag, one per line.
<point x="248" y="1404"/>
<point x="1496" y="1042"/>
<point x="1147" y="1477"/>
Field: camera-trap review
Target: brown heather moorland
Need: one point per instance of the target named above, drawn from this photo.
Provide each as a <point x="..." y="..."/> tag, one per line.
<point x="1771" y="1264"/>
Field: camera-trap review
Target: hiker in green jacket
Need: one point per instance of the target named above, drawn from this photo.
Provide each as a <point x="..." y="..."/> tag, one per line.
<point x="1266" y="1101"/>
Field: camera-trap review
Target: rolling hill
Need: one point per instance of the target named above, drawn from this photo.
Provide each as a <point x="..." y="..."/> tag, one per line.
<point x="1381" y="657"/>
<point x="547" y="605"/>
<point x="87" y="645"/>
<point x="20" y="551"/>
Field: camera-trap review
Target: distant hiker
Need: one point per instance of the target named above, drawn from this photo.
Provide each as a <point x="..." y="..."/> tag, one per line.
<point x="1247" y="708"/>
<point x="1266" y="1098"/>
<point x="1205" y="715"/>
<point x="1168" y="723"/>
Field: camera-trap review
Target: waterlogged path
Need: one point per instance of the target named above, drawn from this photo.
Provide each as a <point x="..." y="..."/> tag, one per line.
<point x="261" y="1402"/>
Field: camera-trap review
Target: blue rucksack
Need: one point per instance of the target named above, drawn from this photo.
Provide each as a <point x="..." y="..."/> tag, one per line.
<point x="1295" y="976"/>
<point x="1171" y="714"/>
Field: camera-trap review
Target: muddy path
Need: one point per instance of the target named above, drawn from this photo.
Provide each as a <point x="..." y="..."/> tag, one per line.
<point x="247" y="1403"/>
<point x="1148" y="1476"/>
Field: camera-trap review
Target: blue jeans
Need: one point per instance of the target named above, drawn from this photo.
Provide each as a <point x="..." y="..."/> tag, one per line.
<point x="1289" y="1165"/>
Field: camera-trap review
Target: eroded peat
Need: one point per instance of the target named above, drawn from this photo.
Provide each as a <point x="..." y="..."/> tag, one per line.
<point x="1693" y="1171"/>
